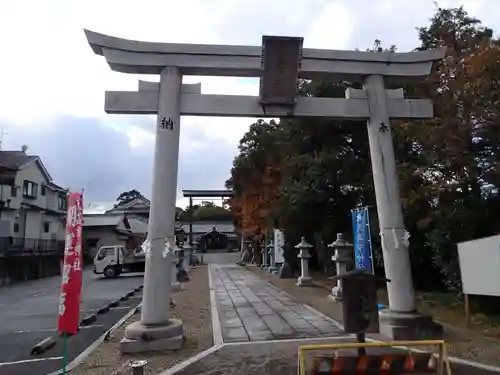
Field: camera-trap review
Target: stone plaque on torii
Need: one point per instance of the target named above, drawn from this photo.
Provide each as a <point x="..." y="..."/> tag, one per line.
<point x="279" y="63"/>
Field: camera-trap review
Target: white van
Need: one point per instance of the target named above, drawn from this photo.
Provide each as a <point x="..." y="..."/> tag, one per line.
<point x="111" y="261"/>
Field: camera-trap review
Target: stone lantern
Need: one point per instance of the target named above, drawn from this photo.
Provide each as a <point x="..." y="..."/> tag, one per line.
<point x="342" y="256"/>
<point x="304" y="255"/>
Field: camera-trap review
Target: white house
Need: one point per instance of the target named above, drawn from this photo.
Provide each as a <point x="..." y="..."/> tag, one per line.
<point x="32" y="206"/>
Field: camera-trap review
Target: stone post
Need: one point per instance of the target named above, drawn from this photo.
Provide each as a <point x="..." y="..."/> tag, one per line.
<point x="304" y="279"/>
<point x="156" y="324"/>
<point x="195" y="251"/>
<point x="268" y="258"/>
<point x="174" y="282"/>
<point x="341" y="256"/>
<point x="137" y="367"/>
<point x="270" y="252"/>
<point x="187" y="256"/>
<point x="263" y="254"/>
<point x="182" y="275"/>
<point x="249" y="250"/>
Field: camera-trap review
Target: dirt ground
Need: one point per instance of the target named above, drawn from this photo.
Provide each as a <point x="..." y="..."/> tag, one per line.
<point x="192" y="307"/>
<point x="477" y="343"/>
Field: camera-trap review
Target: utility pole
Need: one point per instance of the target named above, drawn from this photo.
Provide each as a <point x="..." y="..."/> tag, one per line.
<point x="88" y="190"/>
<point x="2" y="203"/>
<point x="2" y="133"/>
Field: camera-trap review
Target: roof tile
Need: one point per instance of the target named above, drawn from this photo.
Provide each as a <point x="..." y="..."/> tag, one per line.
<point x="15" y="159"/>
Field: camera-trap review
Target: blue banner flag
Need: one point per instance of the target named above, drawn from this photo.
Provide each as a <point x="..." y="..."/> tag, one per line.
<point x="362" y="240"/>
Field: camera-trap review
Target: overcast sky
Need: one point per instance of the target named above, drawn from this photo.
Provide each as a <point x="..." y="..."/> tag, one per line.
<point x="52" y="84"/>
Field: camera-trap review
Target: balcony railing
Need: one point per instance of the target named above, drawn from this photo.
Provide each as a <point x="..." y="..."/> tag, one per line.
<point x="26" y="246"/>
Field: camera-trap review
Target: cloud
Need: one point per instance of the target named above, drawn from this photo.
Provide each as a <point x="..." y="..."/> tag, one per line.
<point x="53" y="85"/>
<point x="85" y="153"/>
<point x="332" y="28"/>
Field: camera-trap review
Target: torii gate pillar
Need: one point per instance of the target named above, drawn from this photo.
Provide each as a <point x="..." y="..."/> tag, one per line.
<point x="156" y="323"/>
<point x="402" y="320"/>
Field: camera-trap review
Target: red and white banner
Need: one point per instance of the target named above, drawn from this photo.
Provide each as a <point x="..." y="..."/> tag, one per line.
<point x="71" y="287"/>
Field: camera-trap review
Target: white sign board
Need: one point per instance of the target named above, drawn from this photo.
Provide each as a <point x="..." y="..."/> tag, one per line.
<point x="279" y="241"/>
<point x="480" y="266"/>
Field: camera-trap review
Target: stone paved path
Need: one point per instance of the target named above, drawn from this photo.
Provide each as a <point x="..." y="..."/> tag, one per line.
<point x="250" y="309"/>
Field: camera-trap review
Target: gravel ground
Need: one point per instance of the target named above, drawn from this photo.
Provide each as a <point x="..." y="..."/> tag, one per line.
<point x="462" y="343"/>
<point x="192" y="307"/>
<point x="251" y="359"/>
<point x="279" y="358"/>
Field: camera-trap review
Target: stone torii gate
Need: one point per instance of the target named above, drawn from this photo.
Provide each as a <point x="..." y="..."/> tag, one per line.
<point x="279" y="63"/>
<point x="201" y="194"/>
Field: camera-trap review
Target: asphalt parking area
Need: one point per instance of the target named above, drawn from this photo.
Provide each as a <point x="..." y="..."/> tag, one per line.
<point x="15" y="346"/>
<point x="28" y="315"/>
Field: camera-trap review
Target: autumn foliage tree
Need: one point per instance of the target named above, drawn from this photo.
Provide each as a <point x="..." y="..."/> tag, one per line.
<point x="254" y="180"/>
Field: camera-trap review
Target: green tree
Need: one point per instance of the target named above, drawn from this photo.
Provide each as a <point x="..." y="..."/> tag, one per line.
<point x="127" y="197"/>
<point x="205" y="211"/>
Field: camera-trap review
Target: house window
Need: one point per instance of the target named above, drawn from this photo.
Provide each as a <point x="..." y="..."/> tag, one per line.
<point x="13" y="191"/>
<point x="62" y="202"/>
<point x="30" y="189"/>
<point x="42" y="190"/>
<point x="46" y="227"/>
<point x="16" y="227"/>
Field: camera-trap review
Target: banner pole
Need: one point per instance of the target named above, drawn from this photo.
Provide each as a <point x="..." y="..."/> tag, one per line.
<point x="354" y="231"/>
<point x="71" y="285"/>
<point x="65" y="353"/>
<point x="370" y="238"/>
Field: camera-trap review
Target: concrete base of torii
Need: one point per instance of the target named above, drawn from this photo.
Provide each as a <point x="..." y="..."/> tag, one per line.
<point x="139" y="338"/>
<point x="409" y="326"/>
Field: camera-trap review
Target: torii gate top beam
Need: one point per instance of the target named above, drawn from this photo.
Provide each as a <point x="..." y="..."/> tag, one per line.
<point x="137" y="57"/>
<point x="207" y="193"/>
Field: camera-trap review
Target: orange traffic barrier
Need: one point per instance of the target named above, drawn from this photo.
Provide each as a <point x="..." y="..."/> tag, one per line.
<point x="410" y="361"/>
<point x="375" y="364"/>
